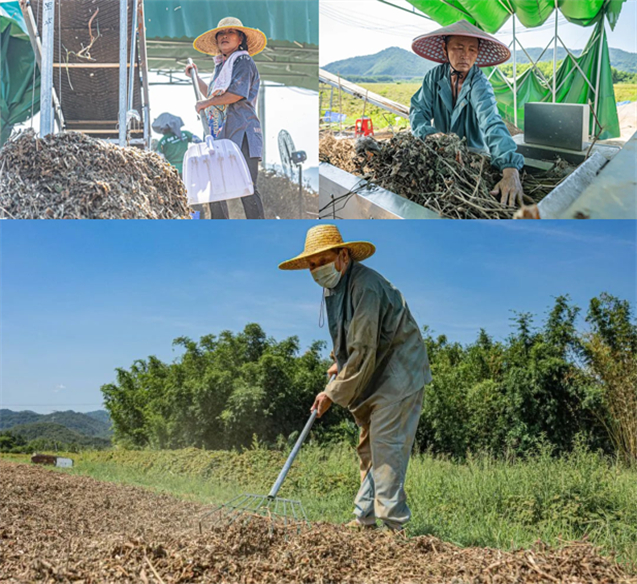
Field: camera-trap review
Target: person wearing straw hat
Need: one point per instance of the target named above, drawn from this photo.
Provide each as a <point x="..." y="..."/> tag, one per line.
<point x="457" y="97"/>
<point x="231" y="100"/>
<point x="175" y="141"/>
<point x="381" y="368"/>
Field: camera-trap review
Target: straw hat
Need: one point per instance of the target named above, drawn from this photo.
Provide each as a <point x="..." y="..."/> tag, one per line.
<point x="323" y="238"/>
<point x="491" y="52"/>
<point x="207" y="42"/>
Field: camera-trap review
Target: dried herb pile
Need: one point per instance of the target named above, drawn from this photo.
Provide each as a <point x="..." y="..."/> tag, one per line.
<point x="281" y="196"/>
<point x="338" y="152"/>
<point x="72" y="176"/>
<point x="59" y="527"/>
<point x="439" y="173"/>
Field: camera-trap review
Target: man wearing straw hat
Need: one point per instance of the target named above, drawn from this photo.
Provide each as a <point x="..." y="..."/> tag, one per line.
<point x="457" y="97"/>
<point x="381" y="368"/>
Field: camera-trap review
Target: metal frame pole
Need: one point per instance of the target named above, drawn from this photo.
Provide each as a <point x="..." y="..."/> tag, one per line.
<point x="261" y="105"/>
<point x="144" y="73"/>
<point x="601" y="41"/>
<point x="515" y="76"/>
<point x="557" y="13"/>
<point x="123" y="65"/>
<point x="133" y="47"/>
<point x="46" y="69"/>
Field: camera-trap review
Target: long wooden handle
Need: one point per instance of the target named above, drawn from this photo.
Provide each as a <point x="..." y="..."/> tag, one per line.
<point x="202" y="116"/>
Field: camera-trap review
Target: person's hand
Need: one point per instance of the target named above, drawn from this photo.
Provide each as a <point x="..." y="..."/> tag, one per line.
<point x="321" y="404"/>
<point x="189" y="67"/>
<point x="333" y="370"/>
<point x="201" y="105"/>
<point x="509" y="188"/>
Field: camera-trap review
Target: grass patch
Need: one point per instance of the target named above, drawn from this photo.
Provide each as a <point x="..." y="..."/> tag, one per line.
<point x="353" y="107"/>
<point x="483" y="502"/>
<point x="402" y="93"/>
<point x="625" y="92"/>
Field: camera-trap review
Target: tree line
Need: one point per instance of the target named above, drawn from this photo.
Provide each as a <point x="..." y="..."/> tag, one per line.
<point x="549" y="383"/>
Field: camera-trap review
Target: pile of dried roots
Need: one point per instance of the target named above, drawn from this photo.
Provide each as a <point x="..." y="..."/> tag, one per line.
<point x="58" y="527"/>
<point x="73" y="176"/>
<point x="282" y="199"/>
<point x="439" y="173"/>
<point x="338" y="152"/>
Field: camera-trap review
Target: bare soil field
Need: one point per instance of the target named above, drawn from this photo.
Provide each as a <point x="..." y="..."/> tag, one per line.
<point x="58" y="527"/>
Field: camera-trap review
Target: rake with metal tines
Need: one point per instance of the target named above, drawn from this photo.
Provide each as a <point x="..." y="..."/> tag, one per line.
<point x="286" y="513"/>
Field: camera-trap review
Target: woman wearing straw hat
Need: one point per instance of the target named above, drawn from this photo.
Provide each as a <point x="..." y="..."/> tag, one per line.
<point x="457" y="97"/>
<point x="381" y="368"/>
<point x="232" y="95"/>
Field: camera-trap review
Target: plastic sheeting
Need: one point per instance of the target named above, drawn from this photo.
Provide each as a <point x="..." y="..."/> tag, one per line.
<point x="492" y="14"/>
<point x="16" y="71"/>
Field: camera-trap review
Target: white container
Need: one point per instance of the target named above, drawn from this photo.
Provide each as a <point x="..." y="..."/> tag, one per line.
<point x="63" y="462"/>
<point x="215" y="170"/>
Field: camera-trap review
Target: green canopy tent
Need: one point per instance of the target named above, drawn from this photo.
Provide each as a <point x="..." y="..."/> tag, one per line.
<point x="583" y="79"/>
<point x="291" y="26"/>
<point x="18" y="95"/>
<point x="291" y="57"/>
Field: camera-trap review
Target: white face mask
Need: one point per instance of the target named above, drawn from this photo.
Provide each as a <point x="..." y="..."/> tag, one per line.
<point x="326" y="276"/>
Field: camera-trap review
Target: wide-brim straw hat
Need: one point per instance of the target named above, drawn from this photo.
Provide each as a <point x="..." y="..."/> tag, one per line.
<point x="207" y="42"/>
<point x="323" y="238"/>
<point x="491" y="52"/>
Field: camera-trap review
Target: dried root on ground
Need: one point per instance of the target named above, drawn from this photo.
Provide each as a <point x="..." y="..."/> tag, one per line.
<point x="339" y="152"/>
<point x="439" y="173"/>
<point x="281" y="197"/>
<point x="72" y="176"/>
<point x="59" y="527"/>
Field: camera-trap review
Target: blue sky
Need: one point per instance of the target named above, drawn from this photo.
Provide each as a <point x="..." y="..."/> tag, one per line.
<point x="80" y="298"/>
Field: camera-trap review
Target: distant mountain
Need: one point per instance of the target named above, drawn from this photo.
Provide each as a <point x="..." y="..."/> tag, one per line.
<point x="89" y="425"/>
<point x="400" y="64"/>
<point x="393" y="62"/>
<point x="56" y="433"/>
<point x="622" y="60"/>
<point x="101" y="415"/>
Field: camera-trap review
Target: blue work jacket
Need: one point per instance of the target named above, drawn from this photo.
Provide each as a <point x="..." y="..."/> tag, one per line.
<point x="475" y="116"/>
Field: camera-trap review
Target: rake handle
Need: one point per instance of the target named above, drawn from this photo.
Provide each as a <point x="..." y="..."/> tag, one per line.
<point x="297" y="446"/>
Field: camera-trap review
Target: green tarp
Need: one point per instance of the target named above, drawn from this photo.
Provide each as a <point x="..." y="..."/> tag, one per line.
<point x="281" y="20"/>
<point x="490" y="15"/>
<point x="16" y="71"/>
<point x="574" y="88"/>
<point x="291" y="27"/>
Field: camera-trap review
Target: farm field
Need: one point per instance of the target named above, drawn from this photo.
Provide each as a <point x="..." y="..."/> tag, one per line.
<point x="481" y="506"/>
<point x="402" y="93"/>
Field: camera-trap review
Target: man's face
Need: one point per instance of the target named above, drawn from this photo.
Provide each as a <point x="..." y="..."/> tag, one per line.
<point x="228" y="40"/>
<point x="462" y="52"/>
<point x="341" y="257"/>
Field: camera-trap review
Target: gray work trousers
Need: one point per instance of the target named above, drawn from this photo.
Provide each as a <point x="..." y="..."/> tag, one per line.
<point x="384" y="448"/>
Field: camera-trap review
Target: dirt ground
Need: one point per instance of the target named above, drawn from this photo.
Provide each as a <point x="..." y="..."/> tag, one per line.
<point x="58" y="527"/>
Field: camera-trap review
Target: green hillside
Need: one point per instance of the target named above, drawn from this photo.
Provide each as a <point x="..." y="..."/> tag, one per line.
<point x="400" y="64"/>
<point x="76" y="421"/>
<point x="392" y="62"/>
<point x="56" y="433"/>
<point x="101" y="415"/>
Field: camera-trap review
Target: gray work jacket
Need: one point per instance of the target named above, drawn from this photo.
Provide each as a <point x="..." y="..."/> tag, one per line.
<point x="378" y="347"/>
